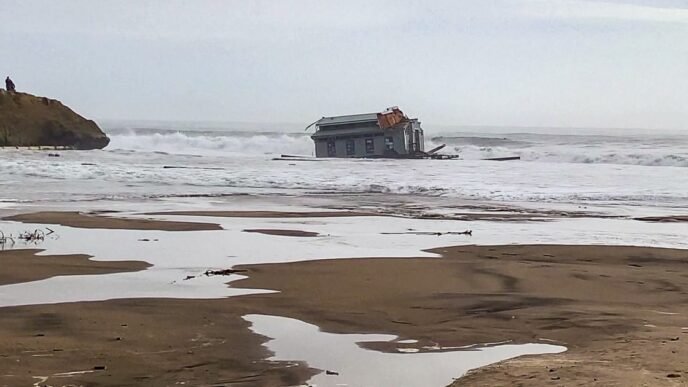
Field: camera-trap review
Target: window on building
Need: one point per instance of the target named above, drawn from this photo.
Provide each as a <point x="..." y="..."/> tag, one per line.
<point x="331" y="149"/>
<point x="370" y="145"/>
<point x="389" y="143"/>
<point x="350" y="148"/>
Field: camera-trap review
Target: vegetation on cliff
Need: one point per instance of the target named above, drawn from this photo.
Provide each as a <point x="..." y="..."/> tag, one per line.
<point x="28" y="120"/>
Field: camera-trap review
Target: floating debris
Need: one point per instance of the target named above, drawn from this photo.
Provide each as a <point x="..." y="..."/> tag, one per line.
<point x="467" y="232"/>
<point x="6" y="239"/>
<point x="212" y="273"/>
<point x="35" y="237"/>
<point x="32" y="236"/>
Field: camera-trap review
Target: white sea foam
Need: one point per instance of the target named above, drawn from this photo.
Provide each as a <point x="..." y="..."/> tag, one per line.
<point x="647" y="150"/>
<point x="214" y="143"/>
<point x="655" y="157"/>
<point x="630" y="150"/>
<point x="157" y="163"/>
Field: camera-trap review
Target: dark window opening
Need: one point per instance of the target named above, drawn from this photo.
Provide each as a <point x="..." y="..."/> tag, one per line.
<point x="370" y="145"/>
<point x="389" y="143"/>
<point x="331" y="149"/>
<point x="350" y="148"/>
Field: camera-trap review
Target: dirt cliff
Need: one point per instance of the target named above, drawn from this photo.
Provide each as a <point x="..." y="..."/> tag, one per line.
<point x="28" y="120"/>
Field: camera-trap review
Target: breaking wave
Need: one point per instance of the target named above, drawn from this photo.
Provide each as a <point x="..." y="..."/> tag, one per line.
<point x="551" y="149"/>
<point x="653" y="158"/>
<point x="214" y="144"/>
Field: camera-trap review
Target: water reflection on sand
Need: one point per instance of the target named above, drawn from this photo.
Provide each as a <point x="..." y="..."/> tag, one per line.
<point x="344" y="363"/>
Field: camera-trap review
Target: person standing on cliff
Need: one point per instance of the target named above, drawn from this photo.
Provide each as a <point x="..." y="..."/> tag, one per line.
<point x="9" y="85"/>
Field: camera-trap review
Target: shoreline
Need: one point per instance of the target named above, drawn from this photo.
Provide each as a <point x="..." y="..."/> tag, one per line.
<point x="119" y="220"/>
<point x="611" y="306"/>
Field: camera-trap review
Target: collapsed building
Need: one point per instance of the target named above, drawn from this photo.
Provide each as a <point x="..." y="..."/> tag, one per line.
<point x="389" y="133"/>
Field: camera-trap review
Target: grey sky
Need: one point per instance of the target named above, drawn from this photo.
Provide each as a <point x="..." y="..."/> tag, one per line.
<point x="528" y="63"/>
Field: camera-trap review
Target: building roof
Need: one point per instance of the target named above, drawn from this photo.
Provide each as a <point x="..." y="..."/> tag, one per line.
<point x="353" y="118"/>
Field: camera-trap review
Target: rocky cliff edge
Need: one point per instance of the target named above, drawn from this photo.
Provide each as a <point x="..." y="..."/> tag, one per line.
<point x="29" y="120"/>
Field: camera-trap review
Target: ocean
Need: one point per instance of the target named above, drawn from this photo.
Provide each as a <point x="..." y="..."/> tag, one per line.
<point x="618" y="172"/>
<point x="571" y="187"/>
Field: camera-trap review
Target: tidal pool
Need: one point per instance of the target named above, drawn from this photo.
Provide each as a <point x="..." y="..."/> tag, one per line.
<point x="351" y="365"/>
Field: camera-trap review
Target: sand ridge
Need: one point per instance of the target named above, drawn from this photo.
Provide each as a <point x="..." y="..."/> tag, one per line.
<point x="25" y="265"/>
<point x="98" y="220"/>
<point x="281" y="232"/>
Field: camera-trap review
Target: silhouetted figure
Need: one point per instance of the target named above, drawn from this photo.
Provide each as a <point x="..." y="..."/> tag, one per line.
<point x="9" y="85"/>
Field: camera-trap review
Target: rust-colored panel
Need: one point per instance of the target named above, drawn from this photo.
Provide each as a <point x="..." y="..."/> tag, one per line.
<point x="390" y="118"/>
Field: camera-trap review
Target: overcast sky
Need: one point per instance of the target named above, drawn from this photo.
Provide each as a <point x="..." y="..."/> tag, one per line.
<point x="571" y="63"/>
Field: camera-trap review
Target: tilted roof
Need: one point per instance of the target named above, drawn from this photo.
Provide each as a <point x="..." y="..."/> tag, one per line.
<point x="352" y="118"/>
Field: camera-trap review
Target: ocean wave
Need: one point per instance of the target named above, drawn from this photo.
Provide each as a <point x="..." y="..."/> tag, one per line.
<point x="650" y="160"/>
<point x="660" y="157"/>
<point x="477" y="141"/>
<point x="552" y="149"/>
<point x="219" y="144"/>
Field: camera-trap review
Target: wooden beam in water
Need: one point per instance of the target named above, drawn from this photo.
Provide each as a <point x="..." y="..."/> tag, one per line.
<point x="509" y="158"/>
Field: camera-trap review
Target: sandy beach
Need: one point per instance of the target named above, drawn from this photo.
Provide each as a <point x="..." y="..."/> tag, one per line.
<point x="25" y="266"/>
<point x="618" y="310"/>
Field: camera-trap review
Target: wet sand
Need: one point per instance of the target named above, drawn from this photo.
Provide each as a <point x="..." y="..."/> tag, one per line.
<point x="266" y="214"/>
<point x="503" y="215"/>
<point x="25" y="266"/>
<point x="154" y="342"/>
<point x="97" y="220"/>
<point x="675" y="218"/>
<point x="619" y="310"/>
<point x="279" y="232"/>
<point x="611" y="306"/>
